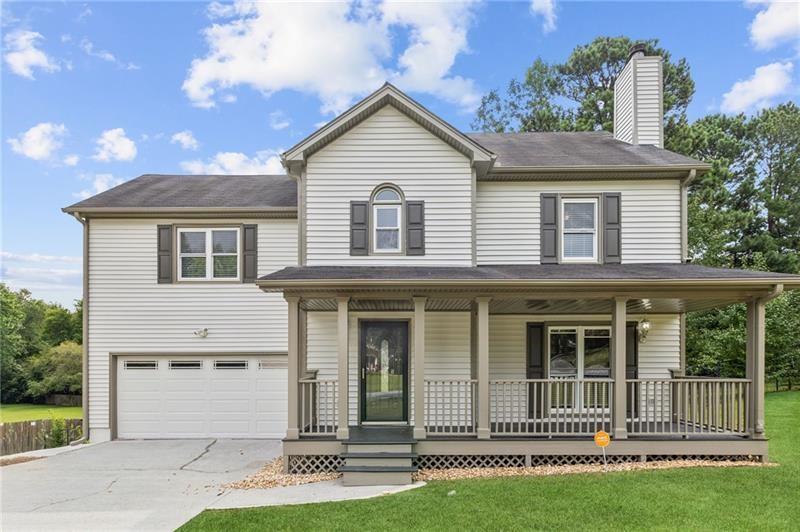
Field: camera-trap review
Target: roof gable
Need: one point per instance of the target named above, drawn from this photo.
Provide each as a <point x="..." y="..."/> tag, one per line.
<point x="388" y="95"/>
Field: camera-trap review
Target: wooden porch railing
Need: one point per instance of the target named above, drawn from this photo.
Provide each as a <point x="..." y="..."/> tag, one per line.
<point x="548" y="407"/>
<point x="318" y="407"/>
<point x="688" y="406"/>
<point x="450" y="406"/>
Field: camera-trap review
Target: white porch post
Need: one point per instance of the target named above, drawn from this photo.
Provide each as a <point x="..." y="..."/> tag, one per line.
<point x="419" y="367"/>
<point x="618" y="350"/>
<point x="342" y="333"/>
<point x="484" y="431"/>
<point x="293" y="351"/>
<point x="755" y="365"/>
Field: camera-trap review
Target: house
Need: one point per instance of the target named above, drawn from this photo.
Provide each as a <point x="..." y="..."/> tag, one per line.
<point x="413" y="296"/>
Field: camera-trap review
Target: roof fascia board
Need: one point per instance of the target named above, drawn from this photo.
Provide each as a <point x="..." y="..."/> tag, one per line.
<point x="392" y="94"/>
<point x="194" y="212"/>
<point x="698" y="167"/>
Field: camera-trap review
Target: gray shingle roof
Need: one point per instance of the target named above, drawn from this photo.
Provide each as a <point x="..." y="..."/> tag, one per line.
<point x="568" y="272"/>
<point x="152" y="191"/>
<point x="563" y="149"/>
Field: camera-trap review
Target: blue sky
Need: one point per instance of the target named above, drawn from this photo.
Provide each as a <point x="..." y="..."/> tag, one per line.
<point x="95" y="94"/>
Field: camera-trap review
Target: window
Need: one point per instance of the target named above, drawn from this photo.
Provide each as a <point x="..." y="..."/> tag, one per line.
<point x="185" y="364"/>
<point x="141" y="364"/>
<point x="579" y="230"/>
<point x="387" y="212"/>
<point x="580" y="352"/>
<point x="230" y="364"/>
<point x="207" y="254"/>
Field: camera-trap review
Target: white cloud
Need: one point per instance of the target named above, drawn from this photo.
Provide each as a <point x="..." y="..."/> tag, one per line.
<point x="278" y="120"/>
<point x="236" y="163"/>
<point x="23" y="55"/>
<point x="778" y="21"/>
<point x="88" y="48"/>
<point x="40" y="142"/>
<point x="84" y="14"/>
<point x="36" y="257"/>
<point x="767" y="83"/>
<point x="49" y="275"/>
<point x="113" y="145"/>
<point x="186" y="139"/>
<point x="334" y="50"/>
<point x="547" y="10"/>
<point x="100" y="183"/>
<point x="71" y="160"/>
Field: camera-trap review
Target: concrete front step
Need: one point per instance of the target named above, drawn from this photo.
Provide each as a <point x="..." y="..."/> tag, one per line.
<point x="379" y="447"/>
<point x="376" y="475"/>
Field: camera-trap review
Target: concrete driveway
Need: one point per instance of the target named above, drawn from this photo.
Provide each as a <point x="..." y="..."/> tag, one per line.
<point x="126" y="485"/>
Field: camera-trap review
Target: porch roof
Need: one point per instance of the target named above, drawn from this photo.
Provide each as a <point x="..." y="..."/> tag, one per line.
<point x="528" y="275"/>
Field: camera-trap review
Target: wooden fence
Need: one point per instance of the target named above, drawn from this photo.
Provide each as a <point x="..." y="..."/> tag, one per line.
<point x="24" y="436"/>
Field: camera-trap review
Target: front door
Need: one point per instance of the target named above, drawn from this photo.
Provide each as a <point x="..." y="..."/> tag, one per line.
<point x="383" y="356"/>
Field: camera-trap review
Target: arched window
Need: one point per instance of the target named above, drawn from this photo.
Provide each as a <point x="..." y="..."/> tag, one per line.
<point x="387" y="216"/>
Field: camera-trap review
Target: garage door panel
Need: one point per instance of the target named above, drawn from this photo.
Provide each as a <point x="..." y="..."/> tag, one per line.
<point x="175" y="402"/>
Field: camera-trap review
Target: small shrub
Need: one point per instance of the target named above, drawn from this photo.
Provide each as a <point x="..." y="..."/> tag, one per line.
<point x="57" y="435"/>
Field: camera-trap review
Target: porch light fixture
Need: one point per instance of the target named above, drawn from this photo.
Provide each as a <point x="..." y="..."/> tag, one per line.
<point x="201" y="333"/>
<point x="643" y="328"/>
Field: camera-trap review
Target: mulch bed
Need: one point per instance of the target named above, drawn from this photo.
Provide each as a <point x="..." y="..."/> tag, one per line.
<point x="18" y="460"/>
<point x="272" y="475"/>
<point x="545" y="471"/>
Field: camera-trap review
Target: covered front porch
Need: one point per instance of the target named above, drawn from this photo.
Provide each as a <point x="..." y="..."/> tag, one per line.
<point x="524" y="367"/>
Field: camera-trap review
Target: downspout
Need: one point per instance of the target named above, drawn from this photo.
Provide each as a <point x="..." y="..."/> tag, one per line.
<point x="85" y="333"/>
<point x="775" y="292"/>
<point x="685" y="214"/>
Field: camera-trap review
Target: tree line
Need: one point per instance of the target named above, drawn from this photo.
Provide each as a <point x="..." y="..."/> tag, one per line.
<point x="744" y="213"/>
<point x="40" y="347"/>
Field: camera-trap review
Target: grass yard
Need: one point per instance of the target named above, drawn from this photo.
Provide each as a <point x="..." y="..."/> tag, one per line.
<point x="720" y="499"/>
<point x="30" y="412"/>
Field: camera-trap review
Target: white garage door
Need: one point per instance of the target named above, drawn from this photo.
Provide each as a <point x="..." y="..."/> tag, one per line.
<point x="203" y="396"/>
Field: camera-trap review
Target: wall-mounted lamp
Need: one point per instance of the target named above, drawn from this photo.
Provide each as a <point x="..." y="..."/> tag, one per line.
<point x="201" y="333"/>
<point x="643" y="328"/>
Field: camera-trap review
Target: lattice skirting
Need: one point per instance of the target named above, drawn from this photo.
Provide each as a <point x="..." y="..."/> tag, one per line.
<point x="454" y="461"/>
<point x="709" y="457"/>
<point x="314" y="463"/>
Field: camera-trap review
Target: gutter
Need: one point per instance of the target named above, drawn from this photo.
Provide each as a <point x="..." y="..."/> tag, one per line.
<point x="776" y="291"/>
<point x="85" y="333"/>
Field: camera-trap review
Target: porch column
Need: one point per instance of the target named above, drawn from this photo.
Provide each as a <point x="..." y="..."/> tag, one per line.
<point x="419" y="367"/>
<point x="293" y="348"/>
<point x="618" y="351"/>
<point x="484" y="430"/>
<point x="755" y="365"/>
<point x="342" y="333"/>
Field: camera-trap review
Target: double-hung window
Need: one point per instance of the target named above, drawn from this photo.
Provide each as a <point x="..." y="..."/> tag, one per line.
<point x="579" y="230"/>
<point x="208" y="254"/>
<point x="387" y="215"/>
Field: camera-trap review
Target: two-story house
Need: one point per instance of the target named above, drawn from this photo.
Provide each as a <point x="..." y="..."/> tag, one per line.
<point x="409" y="295"/>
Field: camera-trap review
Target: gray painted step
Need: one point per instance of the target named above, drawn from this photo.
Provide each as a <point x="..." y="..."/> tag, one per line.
<point x="388" y="454"/>
<point x="377" y="469"/>
<point x="380" y="448"/>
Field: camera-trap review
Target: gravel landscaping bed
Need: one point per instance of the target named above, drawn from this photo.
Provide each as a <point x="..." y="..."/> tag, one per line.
<point x="543" y="471"/>
<point x="272" y="476"/>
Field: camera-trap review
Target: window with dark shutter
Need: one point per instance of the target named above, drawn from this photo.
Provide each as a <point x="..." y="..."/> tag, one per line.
<point x="359" y="227"/>
<point x="612" y="228"/>
<point x="535" y="366"/>
<point x="249" y="253"/>
<point x="632" y="363"/>
<point x="415" y="220"/>
<point x="164" y="248"/>
<point x="548" y="244"/>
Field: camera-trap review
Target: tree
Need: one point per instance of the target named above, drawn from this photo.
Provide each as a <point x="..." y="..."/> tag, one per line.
<point x="56" y="370"/>
<point x="59" y="325"/>
<point x="578" y="95"/>
<point x="12" y="346"/>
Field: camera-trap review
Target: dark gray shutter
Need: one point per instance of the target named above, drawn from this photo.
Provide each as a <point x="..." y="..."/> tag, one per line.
<point x="359" y="227"/>
<point x="612" y="233"/>
<point x="535" y="367"/>
<point x="632" y="364"/>
<point x="415" y="228"/>
<point x="164" y="253"/>
<point x="548" y="245"/>
<point x="249" y="253"/>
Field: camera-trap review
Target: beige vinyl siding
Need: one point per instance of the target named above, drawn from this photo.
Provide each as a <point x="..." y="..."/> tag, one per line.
<point x="446" y="342"/>
<point x="388" y="147"/>
<point x="507" y="219"/>
<point x="648" y="101"/>
<point x="623" y="105"/>
<point x="508" y="343"/>
<point x="130" y="313"/>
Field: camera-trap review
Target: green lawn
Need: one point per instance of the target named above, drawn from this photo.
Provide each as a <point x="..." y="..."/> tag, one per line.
<point x="694" y="499"/>
<point x="28" y="412"/>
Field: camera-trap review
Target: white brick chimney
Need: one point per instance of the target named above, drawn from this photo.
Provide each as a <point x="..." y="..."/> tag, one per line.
<point x="639" y="100"/>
